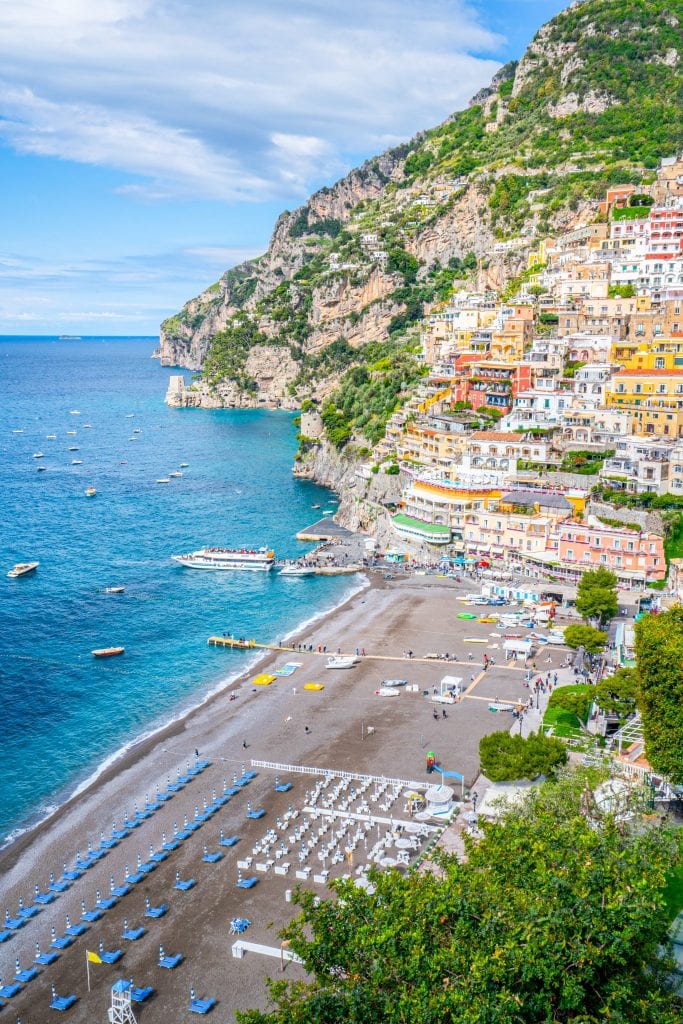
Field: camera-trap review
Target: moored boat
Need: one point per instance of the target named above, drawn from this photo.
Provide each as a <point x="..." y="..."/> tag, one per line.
<point x="38" y="455"/>
<point x="22" y="569"/>
<point x="114" y="590"/>
<point x="298" y="570"/>
<point x="341" y="661"/>
<point x="163" y="480"/>
<point x="248" y="559"/>
<point x="90" y="492"/>
<point x="107" y="652"/>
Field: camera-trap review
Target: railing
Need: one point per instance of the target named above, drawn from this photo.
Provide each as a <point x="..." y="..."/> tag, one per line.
<point x="334" y="773"/>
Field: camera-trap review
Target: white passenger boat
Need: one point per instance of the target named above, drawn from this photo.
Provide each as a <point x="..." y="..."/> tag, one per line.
<point x="247" y="559"/>
<point x="22" y="569"/>
<point x="342" y="661"/>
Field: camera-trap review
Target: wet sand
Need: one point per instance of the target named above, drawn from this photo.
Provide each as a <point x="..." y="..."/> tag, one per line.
<point x="345" y="726"/>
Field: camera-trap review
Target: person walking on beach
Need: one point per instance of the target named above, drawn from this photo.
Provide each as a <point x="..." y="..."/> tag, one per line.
<point x="244" y="744"/>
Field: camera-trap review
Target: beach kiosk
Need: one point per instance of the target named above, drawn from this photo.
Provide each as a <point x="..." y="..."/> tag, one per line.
<point x="121" y="1010"/>
<point x="440" y="803"/>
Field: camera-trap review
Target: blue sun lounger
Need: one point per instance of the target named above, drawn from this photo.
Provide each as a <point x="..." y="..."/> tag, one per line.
<point x="158" y="856"/>
<point x="7" y="991"/>
<point x="247" y="883"/>
<point x="169" y="962"/>
<point x="138" y="995"/>
<point x="184" y="833"/>
<point x="135" y="877"/>
<point x="131" y="823"/>
<point x="132" y="934"/>
<point x="26" y="974"/>
<point x="110" y="956"/>
<point x="200" y="1005"/>
<point x="120" y="833"/>
<point x="283" y="787"/>
<point x="256" y="814"/>
<point x="75" y="930"/>
<point x="201" y="765"/>
<point x="83" y="863"/>
<point x="212" y="858"/>
<point x="91" y="915"/>
<point x="45" y="959"/>
<point x="27" y="912"/>
<point x="61" y="1002"/>
<point x="192" y="771"/>
<point x="232" y="791"/>
<point x="58" y="885"/>
<point x="44" y="897"/>
<point x="120" y="890"/>
<point x="152" y="806"/>
<point x="106" y="902"/>
<point x="155" y="912"/>
<point x="171" y="844"/>
<point x="5" y="935"/>
<point x="108" y="844"/>
<point x="61" y="941"/>
<point x="73" y="875"/>
<point x="147" y="866"/>
<point x="230" y="841"/>
<point x="249" y="775"/>
<point x="13" y="923"/>
<point x="184" y="884"/>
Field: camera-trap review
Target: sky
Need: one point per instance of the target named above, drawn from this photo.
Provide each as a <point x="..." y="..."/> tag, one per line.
<point x="148" y="145"/>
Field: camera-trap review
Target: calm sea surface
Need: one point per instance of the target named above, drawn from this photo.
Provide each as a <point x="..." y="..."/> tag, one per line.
<point x="64" y="712"/>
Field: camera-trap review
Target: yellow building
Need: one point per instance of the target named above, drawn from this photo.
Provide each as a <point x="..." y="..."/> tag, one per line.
<point x="654" y="398"/>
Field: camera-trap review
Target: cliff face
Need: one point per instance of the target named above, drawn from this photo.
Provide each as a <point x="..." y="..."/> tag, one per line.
<point x="595" y="100"/>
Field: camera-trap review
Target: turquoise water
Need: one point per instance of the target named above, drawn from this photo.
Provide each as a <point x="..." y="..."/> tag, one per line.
<point x="64" y="712"/>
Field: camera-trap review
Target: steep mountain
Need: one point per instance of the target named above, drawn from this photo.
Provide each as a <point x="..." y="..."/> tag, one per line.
<point x="595" y="100"/>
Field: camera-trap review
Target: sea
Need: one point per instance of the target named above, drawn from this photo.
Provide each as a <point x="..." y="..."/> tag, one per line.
<point x="65" y="714"/>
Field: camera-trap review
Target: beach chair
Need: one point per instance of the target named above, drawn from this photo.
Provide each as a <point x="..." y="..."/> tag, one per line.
<point x="58" y="886"/>
<point x="282" y="787"/>
<point x="169" y="844"/>
<point x="131" y="823"/>
<point x="110" y="956"/>
<point x="138" y="995"/>
<point x="14" y="923"/>
<point x="134" y="877"/>
<point x="185" y="832"/>
<point x="255" y="815"/>
<point x="249" y="775"/>
<point x="119" y="833"/>
<point x="247" y="883"/>
<point x="23" y="976"/>
<point x="90" y="915"/>
<point x="5" y="935"/>
<point x="74" y="929"/>
<point x="152" y="806"/>
<point x="61" y="1002"/>
<point x="59" y="941"/>
<point x="200" y="1005"/>
<point x="201" y="765"/>
<point x="169" y="962"/>
<point x="119" y="890"/>
<point x="239" y="925"/>
<point x="230" y="841"/>
<point x="192" y="771"/>
<point x="72" y="875"/>
<point x="211" y="858"/>
<point x="105" y="902"/>
<point x="158" y="855"/>
<point x="132" y="934"/>
<point x="154" y="912"/>
<point x="7" y="991"/>
<point x="145" y="867"/>
<point x="231" y="791"/>
<point x="43" y="897"/>
<point x="27" y="912"/>
<point x="96" y="854"/>
<point x="162" y="797"/>
<point x="45" y="959"/>
<point x="183" y="884"/>
<point x="83" y="863"/>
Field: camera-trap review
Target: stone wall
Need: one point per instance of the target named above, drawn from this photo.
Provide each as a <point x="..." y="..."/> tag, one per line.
<point x="649" y="522"/>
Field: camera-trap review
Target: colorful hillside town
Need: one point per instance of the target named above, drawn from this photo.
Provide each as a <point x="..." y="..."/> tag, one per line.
<point x="551" y="418"/>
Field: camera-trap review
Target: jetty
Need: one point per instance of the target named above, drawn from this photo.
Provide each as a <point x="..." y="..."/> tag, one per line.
<point x="325" y="530"/>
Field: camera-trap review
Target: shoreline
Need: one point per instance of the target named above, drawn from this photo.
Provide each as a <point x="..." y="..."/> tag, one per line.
<point x="139" y="746"/>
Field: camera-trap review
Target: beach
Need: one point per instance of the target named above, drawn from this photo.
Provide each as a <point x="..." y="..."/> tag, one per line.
<point x="345" y="726"/>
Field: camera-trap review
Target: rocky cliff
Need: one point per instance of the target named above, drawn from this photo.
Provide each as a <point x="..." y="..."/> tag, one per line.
<point x="595" y="100"/>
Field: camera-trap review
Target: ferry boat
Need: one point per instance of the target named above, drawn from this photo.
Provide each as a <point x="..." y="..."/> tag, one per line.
<point x="22" y="569"/>
<point x="248" y="559"/>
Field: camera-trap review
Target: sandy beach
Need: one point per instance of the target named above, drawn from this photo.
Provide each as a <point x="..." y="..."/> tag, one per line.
<point x="345" y="726"/>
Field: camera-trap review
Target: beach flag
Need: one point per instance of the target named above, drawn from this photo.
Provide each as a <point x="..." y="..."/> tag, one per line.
<point x="91" y="958"/>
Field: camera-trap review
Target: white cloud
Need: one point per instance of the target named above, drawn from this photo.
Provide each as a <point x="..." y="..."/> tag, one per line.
<point x="231" y="101"/>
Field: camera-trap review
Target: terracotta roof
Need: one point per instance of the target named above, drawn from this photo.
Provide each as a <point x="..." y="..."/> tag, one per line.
<point x="649" y="373"/>
<point x="495" y="435"/>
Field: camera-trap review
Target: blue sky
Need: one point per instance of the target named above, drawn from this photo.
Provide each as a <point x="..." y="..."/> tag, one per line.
<point x="146" y="146"/>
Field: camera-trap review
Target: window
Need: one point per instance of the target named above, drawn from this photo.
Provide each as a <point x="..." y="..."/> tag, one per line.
<point x="570" y="552"/>
<point x="617" y="543"/>
<point x="659" y="364"/>
<point x="603" y="558"/>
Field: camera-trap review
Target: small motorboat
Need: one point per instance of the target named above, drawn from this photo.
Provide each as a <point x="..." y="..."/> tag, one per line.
<point x="176" y="473"/>
<point x="41" y="469"/>
<point x="298" y="570"/>
<point x="22" y="569"/>
<point x="38" y="455"/>
<point x="164" y="480"/>
<point x="77" y="462"/>
<point x="138" y="430"/>
<point x="74" y="412"/>
<point x="184" y="465"/>
<point x="90" y="492"/>
<point x="73" y="448"/>
<point x="328" y="511"/>
<point x="342" y="661"/>
<point x="114" y="590"/>
<point x="315" y="506"/>
<point x="123" y="462"/>
<point x="19" y="430"/>
<point x="72" y="433"/>
<point x="107" y="652"/>
<point x="129" y="415"/>
<point x="51" y="437"/>
<point x="87" y="426"/>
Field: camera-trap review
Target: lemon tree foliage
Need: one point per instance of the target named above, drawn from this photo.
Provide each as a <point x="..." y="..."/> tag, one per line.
<point x="557" y="917"/>
<point x="659" y="663"/>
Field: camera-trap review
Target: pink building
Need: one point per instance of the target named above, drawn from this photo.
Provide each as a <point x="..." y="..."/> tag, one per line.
<point x="625" y="552"/>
